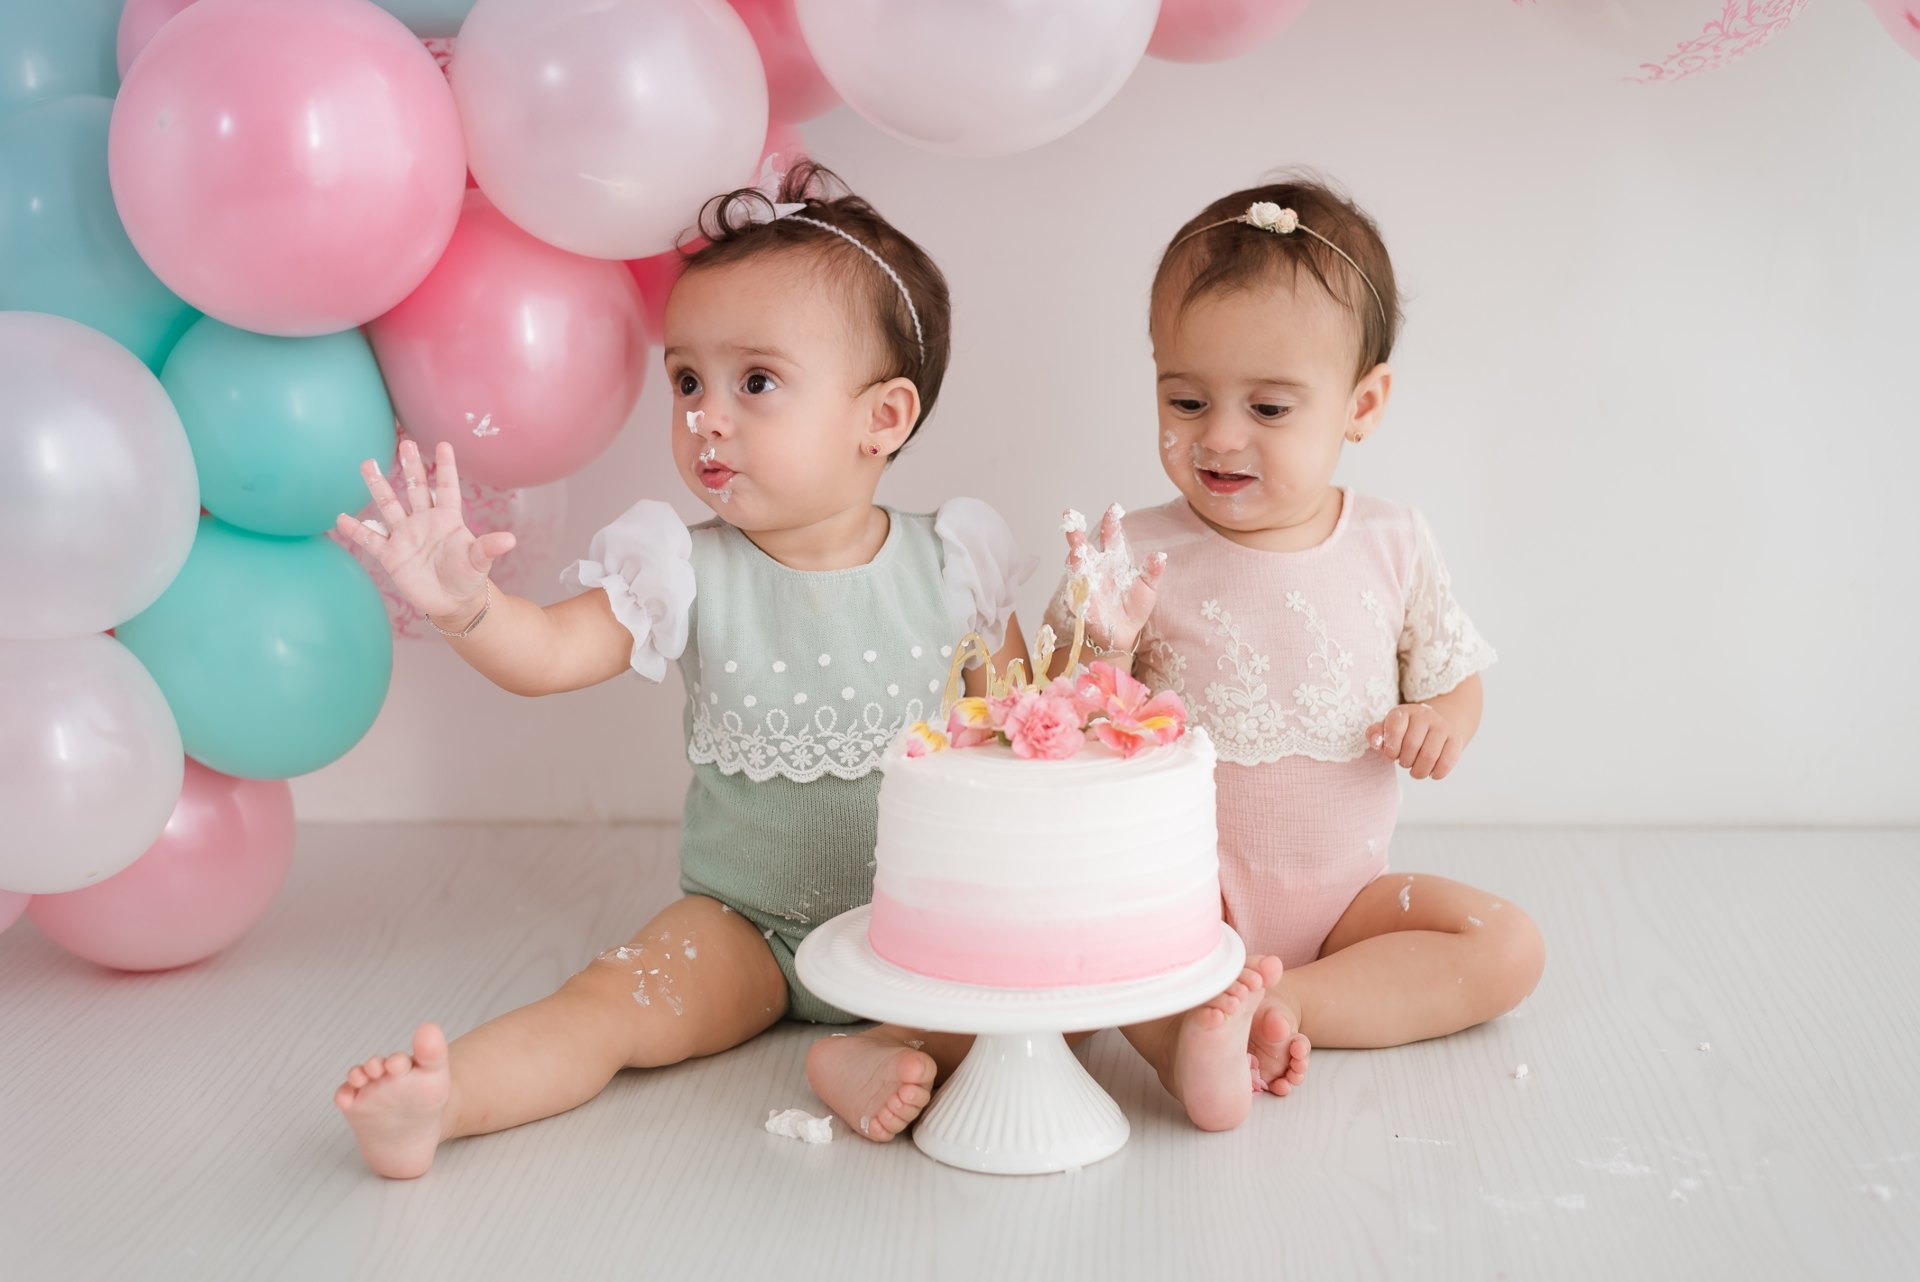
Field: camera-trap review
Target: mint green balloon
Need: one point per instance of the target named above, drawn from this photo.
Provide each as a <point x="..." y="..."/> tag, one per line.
<point x="279" y="426"/>
<point x="62" y="248"/>
<point x="274" y="654"/>
<point x="50" y="48"/>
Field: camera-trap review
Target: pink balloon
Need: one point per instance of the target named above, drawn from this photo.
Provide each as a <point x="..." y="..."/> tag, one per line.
<point x="601" y="126"/>
<point x="217" y="865"/>
<point x="291" y="167"/>
<point x="1901" y="18"/>
<point x="11" y="906"/>
<point x="1213" y="30"/>
<point x="138" y="21"/>
<point x="796" y="90"/>
<point x="527" y="358"/>
<point x="656" y="275"/>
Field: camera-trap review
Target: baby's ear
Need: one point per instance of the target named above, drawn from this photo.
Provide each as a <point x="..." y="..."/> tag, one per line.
<point x="896" y="408"/>
<point x="1368" y="404"/>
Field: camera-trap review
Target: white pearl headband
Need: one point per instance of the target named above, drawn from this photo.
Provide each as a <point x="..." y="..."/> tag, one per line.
<point x="777" y="209"/>
<point x="1269" y="217"/>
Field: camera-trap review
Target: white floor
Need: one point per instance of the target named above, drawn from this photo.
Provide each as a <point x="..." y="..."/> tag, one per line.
<point x="180" y="1125"/>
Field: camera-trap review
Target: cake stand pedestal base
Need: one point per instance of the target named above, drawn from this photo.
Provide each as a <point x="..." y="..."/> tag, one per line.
<point x="1020" y="1104"/>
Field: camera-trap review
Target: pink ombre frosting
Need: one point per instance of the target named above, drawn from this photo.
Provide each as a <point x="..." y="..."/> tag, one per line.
<point x="1096" y="869"/>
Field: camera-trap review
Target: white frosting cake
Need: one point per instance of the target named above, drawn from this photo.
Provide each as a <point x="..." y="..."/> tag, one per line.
<point x="995" y="870"/>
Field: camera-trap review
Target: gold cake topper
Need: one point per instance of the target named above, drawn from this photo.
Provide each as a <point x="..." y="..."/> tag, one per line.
<point x="1021" y="675"/>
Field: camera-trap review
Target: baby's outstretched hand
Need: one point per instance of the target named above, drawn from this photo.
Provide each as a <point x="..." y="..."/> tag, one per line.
<point x="1420" y="739"/>
<point x="434" y="560"/>
<point x="1120" y="595"/>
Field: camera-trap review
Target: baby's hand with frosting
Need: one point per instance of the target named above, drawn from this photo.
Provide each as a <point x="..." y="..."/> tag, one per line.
<point x="1120" y="594"/>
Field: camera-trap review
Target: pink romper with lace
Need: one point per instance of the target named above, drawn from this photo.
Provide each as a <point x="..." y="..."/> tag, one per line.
<point x="1287" y="658"/>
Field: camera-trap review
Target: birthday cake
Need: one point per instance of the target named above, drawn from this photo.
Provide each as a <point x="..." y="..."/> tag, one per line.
<point x="1048" y="836"/>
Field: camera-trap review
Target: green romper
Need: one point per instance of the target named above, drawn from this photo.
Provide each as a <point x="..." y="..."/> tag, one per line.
<point x="796" y="682"/>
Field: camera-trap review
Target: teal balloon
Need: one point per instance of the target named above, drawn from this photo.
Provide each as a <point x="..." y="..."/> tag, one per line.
<point x="279" y="426"/>
<point x="427" y="18"/>
<point x="274" y="654"/>
<point x="62" y="248"/>
<point x="51" y="48"/>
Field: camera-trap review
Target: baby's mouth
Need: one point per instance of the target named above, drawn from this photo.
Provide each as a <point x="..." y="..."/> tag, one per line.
<point x="715" y="476"/>
<point x="1217" y="481"/>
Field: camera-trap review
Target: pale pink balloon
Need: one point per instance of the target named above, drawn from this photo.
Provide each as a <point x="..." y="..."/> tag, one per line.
<point x="796" y="90"/>
<point x="292" y="167"/>
<point x="527" y="358"/>
<point x="1213" y="30"/>
<point x="11" y="906"/>
<point x="600" y="126"/>
<point x="217" y="865"/>
<point x="1901" y="18"/>
<point x="976" y="77"/>
<point x="656" y="275"/>
<point x="138" y="21"/>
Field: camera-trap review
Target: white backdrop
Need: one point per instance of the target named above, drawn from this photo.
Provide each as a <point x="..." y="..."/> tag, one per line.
<point x="1654" y="395"/>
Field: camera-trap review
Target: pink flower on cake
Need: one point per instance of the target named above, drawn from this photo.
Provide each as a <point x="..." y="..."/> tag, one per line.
<point x="970" y="724"/>
<point x="923" y="739"/>
<point x="1133" y="717"/>
<point x="1044" y="727"/>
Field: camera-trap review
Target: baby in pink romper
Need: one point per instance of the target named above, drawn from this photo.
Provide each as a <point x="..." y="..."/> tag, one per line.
<point x="1313" y="631"/>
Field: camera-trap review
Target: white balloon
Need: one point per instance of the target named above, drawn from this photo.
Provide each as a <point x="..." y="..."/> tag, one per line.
<point x="602" y="126"/>
<point x="90" y="763"/>
<point x="99" y="500"/>
<point x="977" y="77"/>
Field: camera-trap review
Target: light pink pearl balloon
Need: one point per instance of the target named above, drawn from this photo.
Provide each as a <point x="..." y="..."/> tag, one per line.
<point x="217" y="865"/>
<point x="527" y="358"/>
<point x="600" y="125"/>
<point x="292" y="167"/>
<point x="796" y="90"/>
<point x="656" y="275"/>
<point x="138" y="21"/>
<point x="1212" y="30"/>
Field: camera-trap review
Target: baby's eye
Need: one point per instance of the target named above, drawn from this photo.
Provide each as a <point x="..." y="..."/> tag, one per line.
<point x="686" y="383"/>
<point x="1187" y="404"/>
<point x="1271" y="412"/>
<point x="759" y="383"/>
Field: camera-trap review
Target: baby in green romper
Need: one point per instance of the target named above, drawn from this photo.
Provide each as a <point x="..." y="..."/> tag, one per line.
<point x="805" y="345"/>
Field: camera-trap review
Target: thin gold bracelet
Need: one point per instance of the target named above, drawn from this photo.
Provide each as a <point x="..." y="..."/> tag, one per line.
<point x="472" y="623"/>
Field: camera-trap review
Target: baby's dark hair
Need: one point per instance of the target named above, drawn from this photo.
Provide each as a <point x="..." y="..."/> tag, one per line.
<point x="1238" y="256"/>
<point x="729" y="224"/>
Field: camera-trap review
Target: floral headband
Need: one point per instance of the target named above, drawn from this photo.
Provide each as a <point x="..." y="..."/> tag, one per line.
<point x="1269" y="217"/>
<point x="769" y="186"/>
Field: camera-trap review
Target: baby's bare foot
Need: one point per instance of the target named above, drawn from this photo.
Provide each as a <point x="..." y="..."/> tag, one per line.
<point x="1279" y="1050"/>
<point x="1209" y="1069"/>
<point x="395" y="1105"/>
<point x="874" y="1082"/>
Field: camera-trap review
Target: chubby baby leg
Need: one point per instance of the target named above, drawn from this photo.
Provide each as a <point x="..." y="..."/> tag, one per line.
<point x="1414" y="956"/>
<point x="696" y="980"/>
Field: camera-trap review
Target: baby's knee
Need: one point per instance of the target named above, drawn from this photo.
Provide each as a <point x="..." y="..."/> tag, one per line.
<point x="1516" y="955"/>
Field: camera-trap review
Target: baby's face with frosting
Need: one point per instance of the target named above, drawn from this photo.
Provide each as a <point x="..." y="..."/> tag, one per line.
<point x="1257" y="397"/>
<point x="772" y="423"/>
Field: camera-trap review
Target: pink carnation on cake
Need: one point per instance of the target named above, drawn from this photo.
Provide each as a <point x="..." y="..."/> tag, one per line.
<point x="971" y="724"/>
<point x="1132" y="716"/>
<point x="1044" y="727"/>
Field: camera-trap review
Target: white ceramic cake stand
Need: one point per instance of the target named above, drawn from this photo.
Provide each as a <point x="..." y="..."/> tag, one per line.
<point x="1020" y="1103"/>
